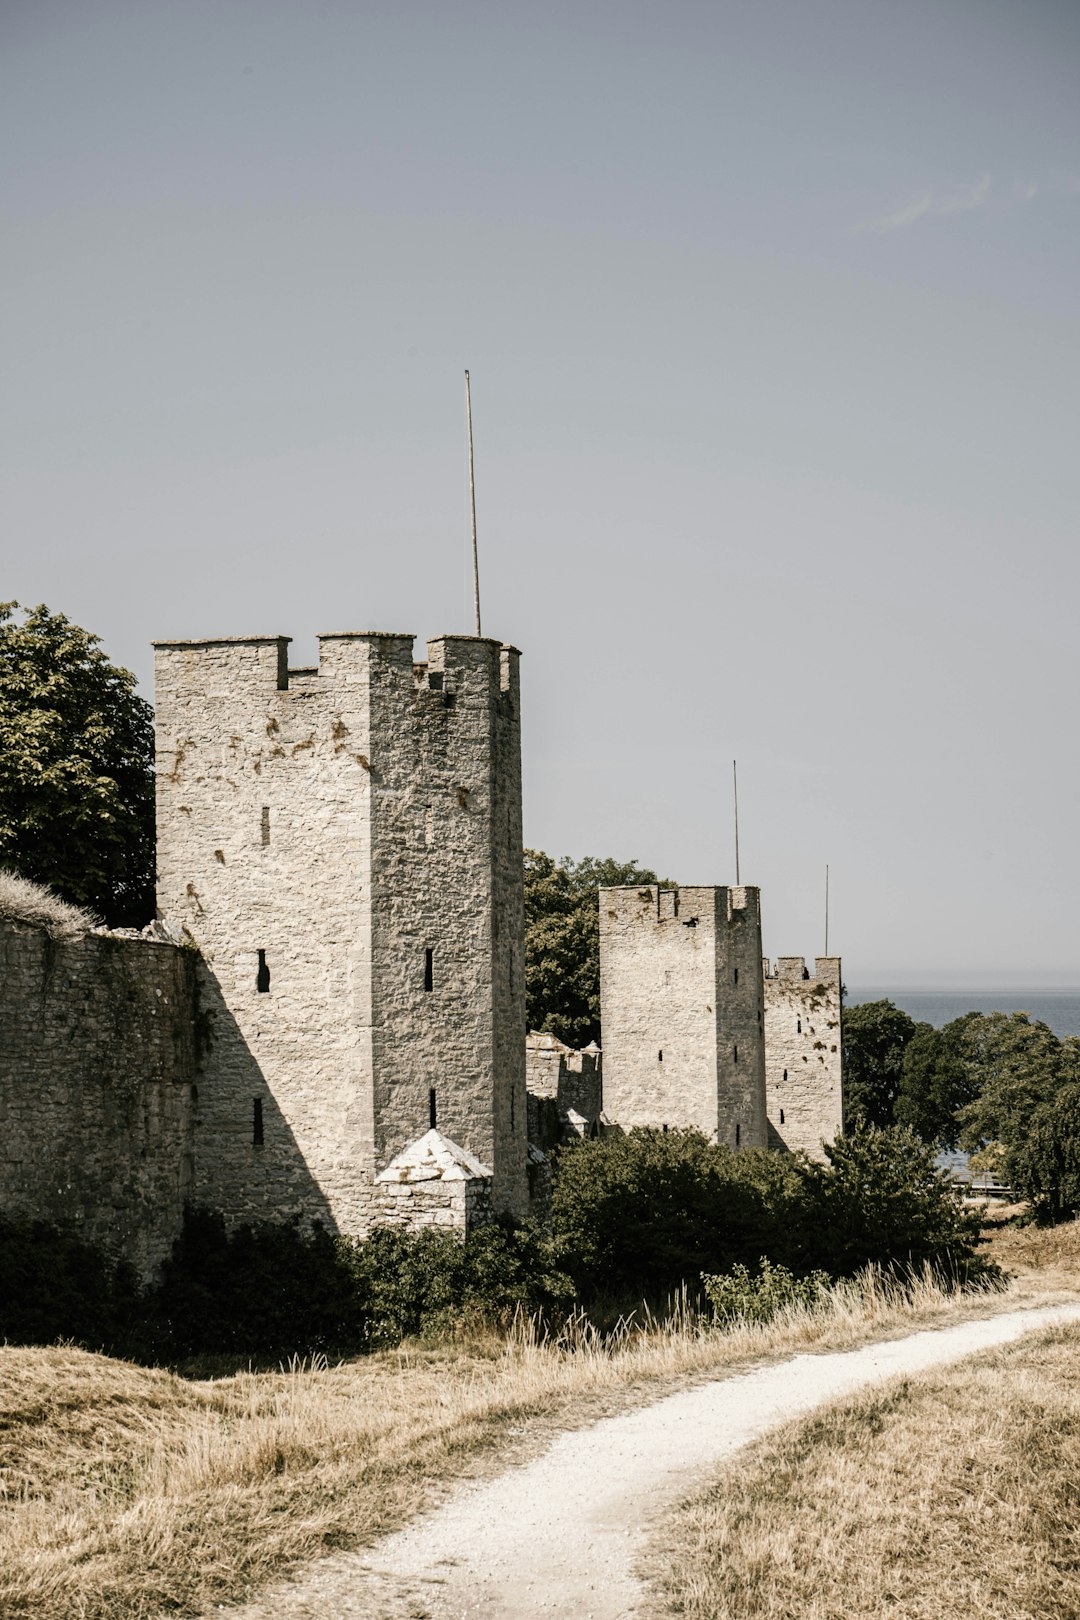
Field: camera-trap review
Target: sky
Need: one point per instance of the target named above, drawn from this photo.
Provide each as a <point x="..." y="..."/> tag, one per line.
<point x="772" y="312"/>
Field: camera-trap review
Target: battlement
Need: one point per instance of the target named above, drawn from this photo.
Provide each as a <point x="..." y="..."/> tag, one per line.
<point x="650" y="904"/>
<point x="793" y="969"/>
<point x="346" y="659"/>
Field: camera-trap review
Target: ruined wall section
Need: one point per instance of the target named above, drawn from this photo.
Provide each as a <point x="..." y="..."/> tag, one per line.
<point x="97" y="1065"/>
<point x="681" y="1010"/>
<point x="803" y="1051"/>
<point x="320" y="832"/>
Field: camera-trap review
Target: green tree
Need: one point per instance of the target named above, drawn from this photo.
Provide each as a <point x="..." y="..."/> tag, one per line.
<point x="881" y="1199"/>
<point x="76" y="767"/>
<point x="876" y="1034"/>
<point x="1044" y="1163"/>
<point x="562" y="940"/>
<point x="1015" y="1065"/>
<point x="937" y="1081"/>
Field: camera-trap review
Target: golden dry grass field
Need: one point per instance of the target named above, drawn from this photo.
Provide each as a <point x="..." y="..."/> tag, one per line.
<point x="948" y="1496"/>
<point x="127" y="1492"/>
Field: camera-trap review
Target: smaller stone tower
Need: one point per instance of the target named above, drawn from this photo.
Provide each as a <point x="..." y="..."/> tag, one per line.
<point x="803" y="1053"/>
<point x="682" y="1010"/>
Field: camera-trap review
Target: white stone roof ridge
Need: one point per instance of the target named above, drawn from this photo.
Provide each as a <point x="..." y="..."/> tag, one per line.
<point x="434" y="1157"/>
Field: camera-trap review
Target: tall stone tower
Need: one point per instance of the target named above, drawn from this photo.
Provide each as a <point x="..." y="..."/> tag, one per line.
<point x="344" y="844"/>
<point x="682" y="1010"/>
<point x="803" y="1053"/>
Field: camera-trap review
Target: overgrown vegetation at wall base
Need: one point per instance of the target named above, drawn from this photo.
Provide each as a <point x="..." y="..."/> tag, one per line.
<point x="654" y="1209"/>
<point x="635" y="1219"/>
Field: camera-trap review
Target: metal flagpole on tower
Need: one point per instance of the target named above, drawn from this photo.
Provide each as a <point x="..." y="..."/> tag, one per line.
<point x="472" y="505"/>
<point x="826" y="908"/>
<point x="735" y="792"/>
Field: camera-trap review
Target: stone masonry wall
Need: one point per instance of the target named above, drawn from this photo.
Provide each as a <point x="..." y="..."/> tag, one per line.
<point x="803" y="1053"/>
<point x="682" y="1010"/>
<point x="341" y="843"/>
<point x="97" y="1065"/>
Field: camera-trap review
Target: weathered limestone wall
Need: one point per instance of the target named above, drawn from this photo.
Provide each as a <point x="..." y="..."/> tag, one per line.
<point x="682" y="1010"/>
<point x="97" y="1065"/>
<point x="344" y="844"/>
<point x="561" y="1083"/>
<point x="803" y="1053"/>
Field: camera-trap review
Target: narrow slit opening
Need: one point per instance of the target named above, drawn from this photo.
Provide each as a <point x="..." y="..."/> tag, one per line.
<point x="262" y="977"/>
<point x="781" y="1116"/>
<point x="433" y="1112"/>
<point x="738" y="1134"/>
<point x="256" y="1122"/>
<point x="429" y="969"/>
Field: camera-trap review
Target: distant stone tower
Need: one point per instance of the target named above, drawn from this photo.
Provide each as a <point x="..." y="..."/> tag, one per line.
<point x="803" y="1053"/>
<point x="344" y="844"/>
<point x="682" y="1012"/>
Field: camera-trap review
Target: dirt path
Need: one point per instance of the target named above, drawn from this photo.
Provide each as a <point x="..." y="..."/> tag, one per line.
<point x="559" y="1537"/>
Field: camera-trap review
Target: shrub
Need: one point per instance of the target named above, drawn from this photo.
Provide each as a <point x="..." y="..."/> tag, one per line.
<point x="881" y="1200"/>
<point x="429" y="1283"/>
<point x="741" y="1295"/>
<point x="264" y="1290"/>
<point x="56" y="1286"/>
<point x="638" y="1215"/>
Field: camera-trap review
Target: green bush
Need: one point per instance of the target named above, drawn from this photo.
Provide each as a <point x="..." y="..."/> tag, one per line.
<point x="880" y="1199"/>
<point x="742" y="1295"/>
<point x="268" y="1290"/>
<point x="429" y="1283"/>
<point x="637" y="1215"/>
<point x="55" y="1286"/>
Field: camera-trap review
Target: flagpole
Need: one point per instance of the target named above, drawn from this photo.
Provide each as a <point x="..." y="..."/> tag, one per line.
<point x="472" y="506"/>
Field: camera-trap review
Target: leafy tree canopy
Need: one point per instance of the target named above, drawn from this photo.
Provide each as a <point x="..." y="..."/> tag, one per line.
<point x="876" y="1034"/>
<point x="562" y="940"/>
<point x="1015" y="1065"/>
<point x="937" y="1081"/>
<point x="76" y="767"/>
<point x="1044" y="1163"/>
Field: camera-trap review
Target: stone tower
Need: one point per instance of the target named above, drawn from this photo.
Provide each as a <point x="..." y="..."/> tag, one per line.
<point x="803" y="1053"/>
<point x="344" y="844"/>
<point x="682" y="1011"/>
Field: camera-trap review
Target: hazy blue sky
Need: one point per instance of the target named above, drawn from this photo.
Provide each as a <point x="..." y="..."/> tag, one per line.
<point x="772" y="314"/>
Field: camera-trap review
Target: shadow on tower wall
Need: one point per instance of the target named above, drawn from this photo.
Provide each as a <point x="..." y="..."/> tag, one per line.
<point x="247" y="1161"/>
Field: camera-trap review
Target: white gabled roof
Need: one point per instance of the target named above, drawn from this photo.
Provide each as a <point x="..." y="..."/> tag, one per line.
<point x="433" y="1157"/>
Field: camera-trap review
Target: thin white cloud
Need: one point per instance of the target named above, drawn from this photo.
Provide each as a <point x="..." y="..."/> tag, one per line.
<point x="981" y="193"/>
<point x="929" y="203"/>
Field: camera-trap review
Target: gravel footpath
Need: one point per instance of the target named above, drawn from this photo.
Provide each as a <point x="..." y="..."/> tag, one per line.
<point x="559" y="1536"/>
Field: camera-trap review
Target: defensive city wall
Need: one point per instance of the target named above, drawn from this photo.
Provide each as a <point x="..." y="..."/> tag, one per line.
<point x="327" y="1021"/>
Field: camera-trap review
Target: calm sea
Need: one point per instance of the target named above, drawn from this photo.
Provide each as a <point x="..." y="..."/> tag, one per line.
<point x="1060" y="1009"/>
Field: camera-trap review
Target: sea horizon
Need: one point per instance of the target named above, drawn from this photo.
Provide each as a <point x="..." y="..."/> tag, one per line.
<point x="938" y="1004"/>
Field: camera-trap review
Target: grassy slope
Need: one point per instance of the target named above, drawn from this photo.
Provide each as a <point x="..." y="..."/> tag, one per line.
<point x="939" y="1498"/>
<point x="127" y="1493"/>
<point x="946" y="1496"/>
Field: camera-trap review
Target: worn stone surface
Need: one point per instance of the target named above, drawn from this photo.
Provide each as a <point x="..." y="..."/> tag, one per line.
<point x="344" y="844"/>
<point x="561" y="1082"/>
<point x="682" y="1010"/>
<point x="97" y="1065"/>
<point x="803" y="1053"/>
<point x="434" y="1182"/>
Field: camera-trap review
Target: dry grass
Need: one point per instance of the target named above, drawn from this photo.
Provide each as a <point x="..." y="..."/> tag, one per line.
<point x="129" y="1492"/>
<point x="943" y="1497"/>
<point x="26" y="902"/>
<point x="1043" y="1257"/>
